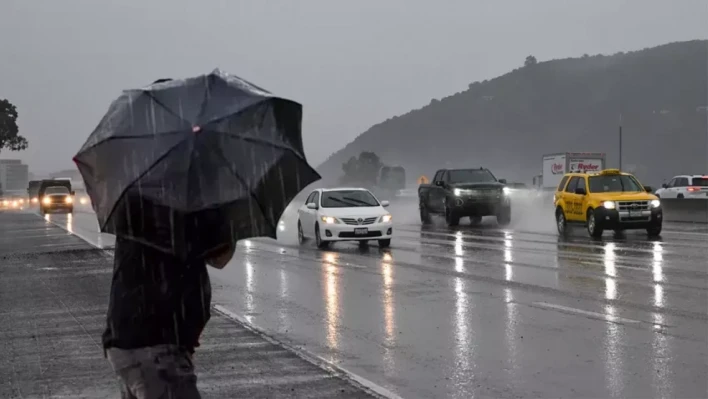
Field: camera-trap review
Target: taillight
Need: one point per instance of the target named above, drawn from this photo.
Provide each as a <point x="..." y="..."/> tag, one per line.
<point x="692" y="189"/>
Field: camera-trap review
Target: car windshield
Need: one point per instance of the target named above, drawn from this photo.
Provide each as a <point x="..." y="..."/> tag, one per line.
<point x="56" y="190"/>
<point x="614" y="184"/>
<point x="700" y="181"/>
<point x="348" y="199"/>
<point x="470" y="176"/>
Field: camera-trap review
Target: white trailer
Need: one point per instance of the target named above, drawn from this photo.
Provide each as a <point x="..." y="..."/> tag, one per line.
<point x="556" y="165"/>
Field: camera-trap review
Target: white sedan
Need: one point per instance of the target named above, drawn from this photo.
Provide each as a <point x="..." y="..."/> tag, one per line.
<point x="344" y="214"/>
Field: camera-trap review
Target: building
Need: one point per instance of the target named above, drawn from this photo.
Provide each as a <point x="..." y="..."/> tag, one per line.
<point x="14" y="175"/>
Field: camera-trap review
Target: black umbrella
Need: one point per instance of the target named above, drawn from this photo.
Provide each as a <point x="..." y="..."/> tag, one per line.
<point x="186" y="165"/>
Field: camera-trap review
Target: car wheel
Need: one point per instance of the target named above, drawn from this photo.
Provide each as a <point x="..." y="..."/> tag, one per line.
<point x="561" y="223"/>
<point x="475" y="220"/>
<point x="321" y="244"/>
<point x="450" y="217"/>
<point x="300" y="233"/>
<point x="385" y="243"/>
<point x="594" y="230"/>
<point x="424" y="215"/>
<point x="504" y="218"/>
<point x="654" y="231"/>
<point x="679" y="196"/>
<point x="363" y="243"/>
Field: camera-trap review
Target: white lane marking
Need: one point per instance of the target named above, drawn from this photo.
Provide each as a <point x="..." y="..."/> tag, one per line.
<point x="310" y="357"/>
<point x="93" y="243"/>
<point x="596" y="315"/>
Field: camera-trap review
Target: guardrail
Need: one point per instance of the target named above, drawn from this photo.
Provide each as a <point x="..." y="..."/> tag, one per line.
<point x="685" y="210"/>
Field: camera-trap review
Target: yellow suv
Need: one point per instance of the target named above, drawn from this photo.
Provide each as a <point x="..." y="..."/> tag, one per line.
<point x="607" y="200"/>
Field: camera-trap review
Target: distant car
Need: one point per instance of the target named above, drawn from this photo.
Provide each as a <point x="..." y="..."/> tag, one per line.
<point x="56" y="198"/>
<point x="685" y="186"/>
<point x="344" y="214"/>
<point x="12" y="203"/>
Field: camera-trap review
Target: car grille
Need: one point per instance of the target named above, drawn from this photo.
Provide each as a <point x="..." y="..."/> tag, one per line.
<point x="349" y="234"/>
<point x="359" y="221"/>
<point x="626" y="206"/>
<point x="634" y="211"/>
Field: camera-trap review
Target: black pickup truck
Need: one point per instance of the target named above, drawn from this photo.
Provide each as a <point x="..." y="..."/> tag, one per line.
<point x="458" y="193"/>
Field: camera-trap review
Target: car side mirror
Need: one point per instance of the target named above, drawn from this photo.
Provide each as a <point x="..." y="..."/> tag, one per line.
<point x="664" y="185"/>
<point x="580" y="191"/>
<point x="385" y="203"/>
<point x="73" y="193"/>
<point x="502" y="181"/>
<point x="440" y="183"/>
<point x="311" y="205"/>
<point x="648" y="189"/>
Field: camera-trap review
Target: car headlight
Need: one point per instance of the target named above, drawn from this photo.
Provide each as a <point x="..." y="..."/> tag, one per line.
<point x="83" y="200"/>
<point x="68" y="200"/>
<point x="655" y="203"/>
<point x="386" y="218"/>
<point x="6" y="203"/>
<point x="46" y="201"/>
<point x="329" y="220"/>
<point x="506" y="190"/>
<point x="35" y="200"/>
<point x="609" y="204"/>
<point x="457" y="192"/>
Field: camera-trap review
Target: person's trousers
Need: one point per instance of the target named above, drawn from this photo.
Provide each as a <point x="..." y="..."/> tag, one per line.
<point x="154" y="372"/>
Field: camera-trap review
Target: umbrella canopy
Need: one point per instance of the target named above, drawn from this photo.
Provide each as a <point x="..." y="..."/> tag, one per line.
<point x="211" y="151"/>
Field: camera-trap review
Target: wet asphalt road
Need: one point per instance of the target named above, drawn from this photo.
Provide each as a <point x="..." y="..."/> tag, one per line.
<point x="484" y="312"/>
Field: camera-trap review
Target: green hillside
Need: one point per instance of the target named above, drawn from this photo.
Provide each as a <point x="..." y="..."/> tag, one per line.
<point x="573" y="104"/>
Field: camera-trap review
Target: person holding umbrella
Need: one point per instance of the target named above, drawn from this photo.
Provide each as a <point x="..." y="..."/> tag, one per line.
<point x="180" y="171"/>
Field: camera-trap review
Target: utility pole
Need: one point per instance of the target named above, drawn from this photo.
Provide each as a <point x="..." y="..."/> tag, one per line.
<point x="620" y="143"/>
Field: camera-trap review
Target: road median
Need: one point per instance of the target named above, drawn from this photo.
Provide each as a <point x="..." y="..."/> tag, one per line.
<point x="685" y="210"/>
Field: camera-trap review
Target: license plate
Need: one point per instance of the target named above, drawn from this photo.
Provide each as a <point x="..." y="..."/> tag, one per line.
<point x="635" y="214"/>
<point x="361" y="231"/>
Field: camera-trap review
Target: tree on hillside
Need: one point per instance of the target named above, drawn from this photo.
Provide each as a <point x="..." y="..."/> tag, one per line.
<point x="9" y="137"/>
<point x="363" y="170"/>
<point x="530" y="60"/>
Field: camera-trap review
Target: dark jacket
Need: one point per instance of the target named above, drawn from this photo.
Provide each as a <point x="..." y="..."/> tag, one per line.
<point x="155" y="298"/>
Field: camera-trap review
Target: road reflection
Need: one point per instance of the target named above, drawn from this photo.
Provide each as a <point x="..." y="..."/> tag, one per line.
<point x="511" y="309"/>
<point x="464" y="344"/>
<point x="611" y="271"/>
<point x="331" y="293"/>
<point x="389" y="315"/>
<point x="283" y="313"/>
<point x="70" y="223"/>
<point x="249" y="292"/>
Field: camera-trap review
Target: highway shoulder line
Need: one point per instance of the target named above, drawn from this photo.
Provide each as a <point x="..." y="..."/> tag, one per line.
<point x="356" y="380"/>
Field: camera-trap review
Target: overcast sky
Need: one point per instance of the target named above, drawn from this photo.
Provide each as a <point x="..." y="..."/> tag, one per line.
<point x="351" y="64"/>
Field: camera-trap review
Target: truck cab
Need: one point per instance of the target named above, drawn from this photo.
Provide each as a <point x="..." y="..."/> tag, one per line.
<point x="55" y="195"/>
<point x="458" y="193"/>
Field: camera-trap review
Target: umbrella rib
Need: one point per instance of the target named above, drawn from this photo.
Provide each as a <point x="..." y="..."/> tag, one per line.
<point x="220" y="154"/>
<point x="142" y="136"/>
<point x="158" y="160"/>
<point x="149" y="94"/>
<point x="260" y="140"/>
